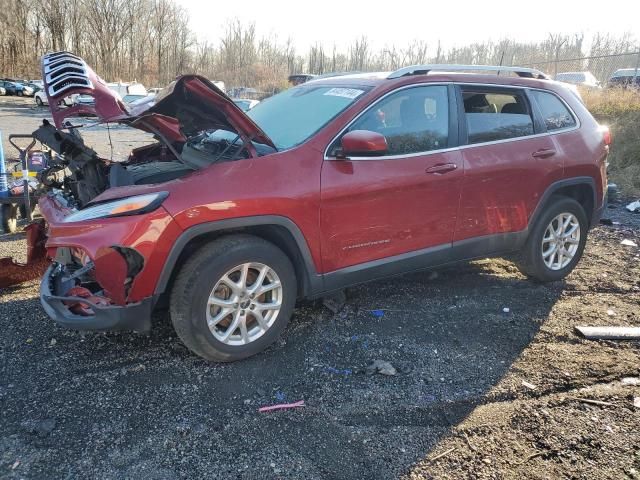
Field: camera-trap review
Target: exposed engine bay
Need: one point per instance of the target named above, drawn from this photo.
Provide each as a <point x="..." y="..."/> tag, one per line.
<point x="81" y="174"/>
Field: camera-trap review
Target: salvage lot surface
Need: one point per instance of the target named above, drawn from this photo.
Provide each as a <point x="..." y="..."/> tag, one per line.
<point x="93" y="405"/>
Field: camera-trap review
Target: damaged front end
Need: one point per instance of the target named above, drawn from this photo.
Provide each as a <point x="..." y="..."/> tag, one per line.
<point x="105" y="260"/>
<point x="86" y="294"/>
<point x="103" y="265"/>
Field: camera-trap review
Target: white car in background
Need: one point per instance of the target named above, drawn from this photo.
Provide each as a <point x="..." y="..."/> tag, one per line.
<point x="582" y="79"/>
<point x="245" y="104"/>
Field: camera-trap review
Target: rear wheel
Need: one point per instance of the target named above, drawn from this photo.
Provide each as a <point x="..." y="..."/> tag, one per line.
<point x="39" y="101"/>
<point x="233" y="298"/>
<point x="20" y="93"/>
<point x="556" y="242"/>
<point x="9" y="214"/>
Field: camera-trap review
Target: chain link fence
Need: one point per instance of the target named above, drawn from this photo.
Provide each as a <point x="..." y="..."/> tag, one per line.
<point x="601" y="66"/>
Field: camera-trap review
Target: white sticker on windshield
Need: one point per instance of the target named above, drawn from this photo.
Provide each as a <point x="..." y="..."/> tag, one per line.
<point x="344" y="92"/>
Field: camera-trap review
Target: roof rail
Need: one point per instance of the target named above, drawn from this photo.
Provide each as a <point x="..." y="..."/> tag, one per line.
<point x="424" y="69"/>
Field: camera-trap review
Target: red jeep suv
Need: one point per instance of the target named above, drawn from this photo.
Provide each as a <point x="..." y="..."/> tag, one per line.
<point x="229" y="217"/>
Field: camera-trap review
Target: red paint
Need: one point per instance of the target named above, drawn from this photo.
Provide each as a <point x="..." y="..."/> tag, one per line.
<point x="351" y="211"/>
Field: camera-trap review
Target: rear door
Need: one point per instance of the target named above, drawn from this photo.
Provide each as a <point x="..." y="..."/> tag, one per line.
<point x="509" y="160"/>
<point x="407" y="200"/>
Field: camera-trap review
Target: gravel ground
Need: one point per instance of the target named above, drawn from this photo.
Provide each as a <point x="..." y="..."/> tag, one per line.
<point x="119" y="405"/>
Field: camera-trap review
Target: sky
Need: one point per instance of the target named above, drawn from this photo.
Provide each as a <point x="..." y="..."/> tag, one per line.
<point x="398" y="22"/>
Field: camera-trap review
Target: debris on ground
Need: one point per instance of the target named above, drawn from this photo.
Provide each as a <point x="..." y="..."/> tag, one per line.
<point x="606" y="221"/>
<point x="506" y="309"/>
<point x="634" y="207"/>
<point x="377" y="313"/>
<point x="281" y="406"/>
<point x="611" y="313"/>
<point x="636" y="402"/>
<point x="633" y="381"/>
<point x="609" y="333"/>
<point x="339" y="371"/>
<point x="528" y="385"/>
<point x="335" y="301"/>
<point x="628" y="243"/>
<point x="381" y="367"/>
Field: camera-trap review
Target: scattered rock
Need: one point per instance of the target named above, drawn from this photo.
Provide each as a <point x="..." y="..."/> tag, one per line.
<point x="628" y="243"/>
<point x="611" y="313"/>
<point x="41" y="428"/>
<point x="381" y="367"/>
<point x="53" y="342"/>
<point x="636" y="402"/>
<point x="634" y="207"/>
<point x="335" y="302"/>
<point x="506" y="310"/>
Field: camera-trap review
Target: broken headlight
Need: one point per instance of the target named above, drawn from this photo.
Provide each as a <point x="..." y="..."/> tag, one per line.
<point x="119" y="208"/>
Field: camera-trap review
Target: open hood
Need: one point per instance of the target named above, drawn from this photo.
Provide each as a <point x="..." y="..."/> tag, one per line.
<point x="188" y="105"/>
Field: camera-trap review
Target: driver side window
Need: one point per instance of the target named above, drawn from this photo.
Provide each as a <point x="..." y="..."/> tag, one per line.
<point x="413" y="120"/>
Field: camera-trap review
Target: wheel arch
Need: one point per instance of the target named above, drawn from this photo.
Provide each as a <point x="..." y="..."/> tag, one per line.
<point x="581" y="189"/>
<point x="278" y="230"/>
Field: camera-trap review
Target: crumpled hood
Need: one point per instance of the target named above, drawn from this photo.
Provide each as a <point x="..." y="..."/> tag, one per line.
<point x="188" y="105"/>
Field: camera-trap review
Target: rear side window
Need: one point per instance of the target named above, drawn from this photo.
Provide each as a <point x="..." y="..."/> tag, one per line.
<point x="492" y="116"/>
<point x="554" y="113"/>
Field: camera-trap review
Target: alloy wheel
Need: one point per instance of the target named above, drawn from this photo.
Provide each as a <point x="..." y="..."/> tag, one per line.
<point x="244" y="303"/>
<point x="560" y="241"/>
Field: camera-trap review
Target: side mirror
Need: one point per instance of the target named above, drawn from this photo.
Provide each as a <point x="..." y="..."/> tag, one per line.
<point x="363" y="143"/>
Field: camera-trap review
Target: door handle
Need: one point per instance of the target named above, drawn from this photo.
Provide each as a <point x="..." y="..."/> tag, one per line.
<point x="441" y="168"/>
<point x="544" y="153"/>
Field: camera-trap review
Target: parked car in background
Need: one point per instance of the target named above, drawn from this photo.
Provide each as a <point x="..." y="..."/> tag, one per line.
<point x="582" y="79"/>
<point x="245" y="104"/>
<point x="132" y="98"/>
<point x="300" y="78"/>
<point x="15" y="88"/>
<point x="231" y="216"/>
<point x="123" y="90"/>
<point x="625" y="77"/>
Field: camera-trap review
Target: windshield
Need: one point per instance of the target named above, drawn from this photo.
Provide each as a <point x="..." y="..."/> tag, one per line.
<point x="291" y="117"/>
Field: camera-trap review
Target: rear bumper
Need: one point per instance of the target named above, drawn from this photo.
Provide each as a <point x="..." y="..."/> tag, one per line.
<point x="133" y="316"/>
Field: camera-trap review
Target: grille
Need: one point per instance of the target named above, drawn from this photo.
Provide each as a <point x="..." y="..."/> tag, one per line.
<point x="64" y="71"/>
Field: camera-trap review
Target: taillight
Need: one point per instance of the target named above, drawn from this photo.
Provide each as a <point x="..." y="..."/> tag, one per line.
<point x="606" y="135"/>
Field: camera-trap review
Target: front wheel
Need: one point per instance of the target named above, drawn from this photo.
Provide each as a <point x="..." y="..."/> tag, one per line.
<point x="556" y="242"/>
<point x="233" y="298"/>
<point x="20" y="93"/>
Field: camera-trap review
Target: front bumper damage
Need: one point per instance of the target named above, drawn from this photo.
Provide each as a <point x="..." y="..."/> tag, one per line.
<point x="99" y="315"/>
<point x="104" y="271"/>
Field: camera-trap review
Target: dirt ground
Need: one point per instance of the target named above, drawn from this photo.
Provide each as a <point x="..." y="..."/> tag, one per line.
<point x="122" y="405"/>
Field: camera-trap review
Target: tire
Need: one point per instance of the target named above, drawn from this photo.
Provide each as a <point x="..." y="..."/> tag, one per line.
<point x="9" y="214"/>
<point x="532" y="260"/>
<point x="20" y="93"/>
<point x="201" y="279"/>
<point x="39" y="101"/>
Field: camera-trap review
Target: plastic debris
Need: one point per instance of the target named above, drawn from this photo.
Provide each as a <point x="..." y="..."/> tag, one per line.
<point x="506" y="310"/>
<point x="281" y="406"/>
<point x="528" y="385"/>
<point x="634" y="207"/>
<point x="631" y="381"/>
<point x="636" y="402"/>
<point x="611" y="313"/>
<point x="628" y="243"/>
<point x="609" y="333"/>
<point x="280" y="396"/>
<point x="339" y="371"/>
<point x="381" y="367"/>
<point x="377" y="313"/>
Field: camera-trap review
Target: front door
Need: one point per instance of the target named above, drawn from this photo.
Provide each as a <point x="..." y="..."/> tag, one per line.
<point x="404" y="201"/>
